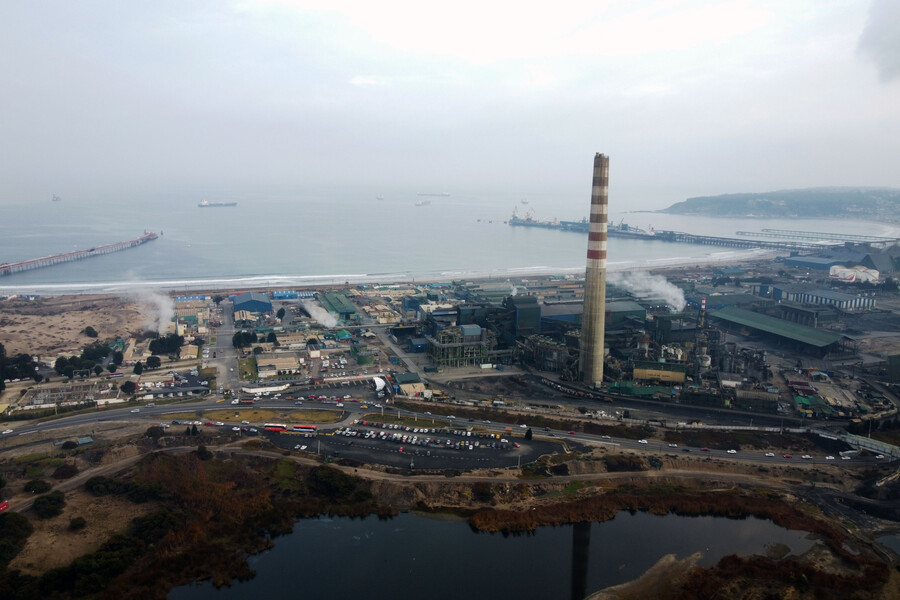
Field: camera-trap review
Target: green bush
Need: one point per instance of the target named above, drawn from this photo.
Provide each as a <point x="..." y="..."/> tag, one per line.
<point x="14" y="530"/>
<point x="101" y="486"/>
<point x="65" y="471"/>
<point x="69" y="445"/>
<point x="77" y="523"/>
<point x="38" y="486"/>
<point x="50" y="505"/>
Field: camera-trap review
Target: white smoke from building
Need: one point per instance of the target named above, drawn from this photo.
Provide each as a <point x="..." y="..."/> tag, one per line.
<point x="514" y="291"/>
<point x="642" y="283"/>
<point x="161" y="309"/>
<point x="322" y="316"/>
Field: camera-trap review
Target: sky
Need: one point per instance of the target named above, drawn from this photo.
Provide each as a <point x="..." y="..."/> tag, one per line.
<point x="687" y="97"/>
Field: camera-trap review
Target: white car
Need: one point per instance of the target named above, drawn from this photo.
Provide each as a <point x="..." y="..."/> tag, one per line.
<point x="7" y="431"/>
<point x="732" y="451"/>
<point x="303" y="447"/>
<point x="219" y="423"/>
<point x="845" y="458"/>
<point x="235" y="428"/>
<point x="135" y="410"/>
<point x="770" y="454"/>
<point x="806" y="457"/>
<point x="673" y="445"/>
<point x="642" y="441"/>
<point x="340" y="405"/>
<point x="879" y="456"/>
<point x="523" y="426"/>
<point x="829" y="458"/>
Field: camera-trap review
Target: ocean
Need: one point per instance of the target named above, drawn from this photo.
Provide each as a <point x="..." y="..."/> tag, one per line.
<point x="323" y="237"/>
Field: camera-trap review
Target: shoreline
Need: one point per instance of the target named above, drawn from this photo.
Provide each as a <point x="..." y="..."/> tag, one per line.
<point x="276" y="281"/>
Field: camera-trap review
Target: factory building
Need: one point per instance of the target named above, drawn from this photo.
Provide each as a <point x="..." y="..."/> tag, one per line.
<point x="252" y="302"/>
<point x="526" y="314"/>
<point x="338" y="305"/>
<point x="791" y="335"/>
<point x="658" y="371"/>
<point x="839" y="300"/>
<point x="463" y="345"/>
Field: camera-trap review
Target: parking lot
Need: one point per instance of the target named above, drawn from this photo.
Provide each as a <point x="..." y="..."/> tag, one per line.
<point x="419" y="448"/>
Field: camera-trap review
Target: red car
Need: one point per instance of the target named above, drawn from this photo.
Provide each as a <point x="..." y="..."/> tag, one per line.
<point x="705" y="449"/>
<point x="4" y="505"/>
<point x="571" y="433"/>
<point x="787" y="456"/>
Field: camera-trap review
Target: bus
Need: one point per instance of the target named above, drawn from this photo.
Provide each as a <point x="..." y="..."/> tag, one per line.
<point x="116" y="374"/>
<point x="304" y="428"/>
<point x="245" y="401"/>
<point x="274" y="427"/>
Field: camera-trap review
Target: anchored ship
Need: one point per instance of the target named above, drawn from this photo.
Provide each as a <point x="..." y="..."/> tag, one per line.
<point x="208" y="204"/>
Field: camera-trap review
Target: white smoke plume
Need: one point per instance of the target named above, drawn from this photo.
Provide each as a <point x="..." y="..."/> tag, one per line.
<point x="322" y="316"/>
<point x="642" y="283"/>
<point x="513" y="291"/>
<point x="162" y="309"/>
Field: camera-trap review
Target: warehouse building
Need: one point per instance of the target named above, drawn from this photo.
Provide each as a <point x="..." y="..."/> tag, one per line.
<point x="797" y="337"/>
<point x="252" y="302"/>
<point x="839" y="300"/>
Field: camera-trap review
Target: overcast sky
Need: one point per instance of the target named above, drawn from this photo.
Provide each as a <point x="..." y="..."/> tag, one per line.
<point x="687" y="97"/>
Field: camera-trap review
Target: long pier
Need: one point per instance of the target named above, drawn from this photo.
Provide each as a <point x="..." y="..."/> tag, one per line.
<point x="872" y="240"/>
<point x="709" y="240"/>
<point x="47" y="261"/>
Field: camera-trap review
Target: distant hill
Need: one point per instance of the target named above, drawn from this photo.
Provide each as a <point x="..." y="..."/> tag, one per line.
<point x="848" y="202"/>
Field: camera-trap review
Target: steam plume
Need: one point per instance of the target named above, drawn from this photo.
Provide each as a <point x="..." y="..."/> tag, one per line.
<point x="322" y="316"/>
<point x="162" y="309"/>
<point x="642" y="283"/>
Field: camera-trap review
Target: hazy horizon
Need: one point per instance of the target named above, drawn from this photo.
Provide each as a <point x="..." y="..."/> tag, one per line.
<point x="215" y="99"/>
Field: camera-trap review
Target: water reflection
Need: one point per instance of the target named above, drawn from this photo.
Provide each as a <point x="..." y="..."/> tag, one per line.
<point x="446" y="559"/>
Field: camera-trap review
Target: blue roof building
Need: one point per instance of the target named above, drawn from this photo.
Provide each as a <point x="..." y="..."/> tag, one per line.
<point x="254" y="302"/>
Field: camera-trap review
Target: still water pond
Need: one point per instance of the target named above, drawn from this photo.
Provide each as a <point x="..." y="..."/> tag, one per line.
<point x="415" y="556"/>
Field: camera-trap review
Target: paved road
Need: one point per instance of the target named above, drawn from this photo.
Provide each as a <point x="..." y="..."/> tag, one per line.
<point x="352" y="411"/>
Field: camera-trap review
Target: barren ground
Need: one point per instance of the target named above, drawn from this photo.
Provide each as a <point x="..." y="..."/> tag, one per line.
<point x="49" y="326"/>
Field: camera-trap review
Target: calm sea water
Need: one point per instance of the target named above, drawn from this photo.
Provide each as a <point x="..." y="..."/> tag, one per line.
<point x="318" y="237"/>
<point x="420" y="557"/>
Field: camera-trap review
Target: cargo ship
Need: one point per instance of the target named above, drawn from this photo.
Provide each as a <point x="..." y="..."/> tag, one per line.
<point x="621" y="229"/>
<point x="208" y="204"/>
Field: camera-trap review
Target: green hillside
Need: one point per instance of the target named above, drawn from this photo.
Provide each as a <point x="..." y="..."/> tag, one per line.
<point x="862" y="203"/>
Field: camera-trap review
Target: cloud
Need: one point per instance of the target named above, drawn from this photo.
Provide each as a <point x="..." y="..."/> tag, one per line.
<point x="360" y="80"/>
<point x="879" y="41"/>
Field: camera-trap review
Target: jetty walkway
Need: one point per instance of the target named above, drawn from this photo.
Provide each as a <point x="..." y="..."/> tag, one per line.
<point x="47" y="261"/>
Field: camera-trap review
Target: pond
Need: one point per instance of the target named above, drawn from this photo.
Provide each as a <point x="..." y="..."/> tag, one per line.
<point x="438" y="558"/>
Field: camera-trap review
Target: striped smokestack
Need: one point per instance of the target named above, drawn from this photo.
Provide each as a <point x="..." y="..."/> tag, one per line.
<point x="593" y="323"/>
